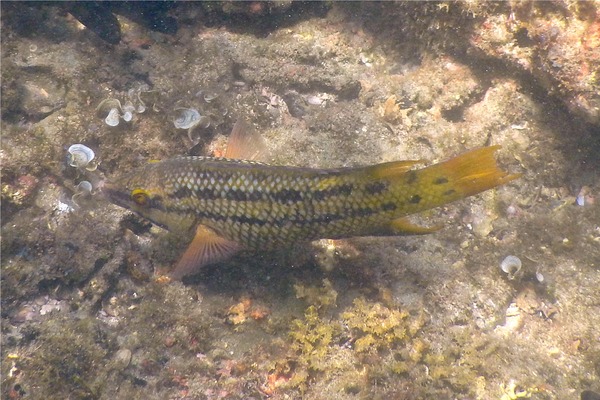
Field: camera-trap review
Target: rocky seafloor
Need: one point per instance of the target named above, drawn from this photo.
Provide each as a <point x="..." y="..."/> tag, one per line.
<point x="327" y="85"/>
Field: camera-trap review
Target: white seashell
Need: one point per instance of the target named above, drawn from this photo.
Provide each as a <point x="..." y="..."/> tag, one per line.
<point x="80" y="155"/>
<point x="511" y="265"/>
<point x="188" y="118"/>
<point x="84" y="187"/>
<point x="112" y="119"/>
<point x="539" y="276"/>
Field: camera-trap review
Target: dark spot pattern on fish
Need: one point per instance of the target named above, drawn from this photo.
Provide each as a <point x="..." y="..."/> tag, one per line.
<point x="388" y="206"/>
<point x="340" y="190"/>
<point x="415" y="199"/>
<point x="411" y="177"/>
<point x="449" y="192"/>
<point x="183" y="192"/>
<point x="441" y="180"/>
<point x="375" y="188"/>
<point x="278" y="222"/>
<point x="243" y="219"/>
<point x="287" y="196"/>
<point x="243" y="195"/>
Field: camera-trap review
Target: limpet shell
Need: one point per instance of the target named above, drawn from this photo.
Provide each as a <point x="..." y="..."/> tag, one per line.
<point x="187" y="118"/>
<point x="80" y="156"/>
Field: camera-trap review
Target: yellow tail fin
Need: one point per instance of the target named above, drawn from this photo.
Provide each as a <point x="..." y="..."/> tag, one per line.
<point x="417" y="190"/>
<point x="473" y="172"/>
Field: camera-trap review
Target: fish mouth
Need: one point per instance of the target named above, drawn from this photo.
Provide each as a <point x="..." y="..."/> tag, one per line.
<point x="116" y="196"/>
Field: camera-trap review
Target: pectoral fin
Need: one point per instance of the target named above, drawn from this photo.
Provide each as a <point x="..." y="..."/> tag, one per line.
<point x="402" y="226"/>
<point x="207" y="247"/>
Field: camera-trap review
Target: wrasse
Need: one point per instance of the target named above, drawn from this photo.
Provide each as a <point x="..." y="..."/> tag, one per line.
<point x="236" y="204"/>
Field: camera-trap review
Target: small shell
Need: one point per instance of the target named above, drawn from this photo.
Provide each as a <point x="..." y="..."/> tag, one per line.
<point x="83" y="190"/>
<point x="128" y="110"/>
<point x="204" y="122"/>
<point x="106" y="105"/>
<point x="84" y="187"/>
<point x="208" y="97"/>
<point x="511" y="265"/>
<point x="539" y="276"/>
<point x="112" y="119"/>
<point x="80" y="156"/>
<point x="188" y="118"/>
<point x="128" y="107"/>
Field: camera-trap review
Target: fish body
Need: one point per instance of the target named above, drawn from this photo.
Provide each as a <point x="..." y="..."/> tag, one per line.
<point x="236" y="204"/>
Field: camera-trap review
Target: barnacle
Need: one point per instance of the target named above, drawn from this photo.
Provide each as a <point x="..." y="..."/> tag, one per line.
<point x="511" y="265"/>
<point x="81" y="156"/>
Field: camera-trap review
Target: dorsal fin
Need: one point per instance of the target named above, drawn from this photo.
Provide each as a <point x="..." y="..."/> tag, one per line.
<point x="245" y="143"/>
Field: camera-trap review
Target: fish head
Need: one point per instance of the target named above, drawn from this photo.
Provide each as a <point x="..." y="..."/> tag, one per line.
<point x="148" y="193"/>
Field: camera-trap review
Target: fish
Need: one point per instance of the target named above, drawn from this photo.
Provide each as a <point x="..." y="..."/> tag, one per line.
<point x="235" y="202"/>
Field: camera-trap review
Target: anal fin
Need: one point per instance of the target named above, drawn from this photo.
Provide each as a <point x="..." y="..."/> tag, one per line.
<point x="207" y="247"/>
<point x="402" y="226"/>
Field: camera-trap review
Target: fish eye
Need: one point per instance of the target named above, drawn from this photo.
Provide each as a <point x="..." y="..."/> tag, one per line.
<point x="139" y="197"/>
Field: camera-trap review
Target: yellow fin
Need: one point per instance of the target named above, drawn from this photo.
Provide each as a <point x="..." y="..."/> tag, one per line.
<point x="402" y="226"/>
<point x="206" y="248"/>
<point x="245" y="144"/>
<point x="473" y="172"/>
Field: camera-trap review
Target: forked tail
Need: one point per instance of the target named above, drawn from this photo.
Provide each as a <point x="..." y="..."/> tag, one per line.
<point x="416" y="190"/>
<point x="473" y="172"/>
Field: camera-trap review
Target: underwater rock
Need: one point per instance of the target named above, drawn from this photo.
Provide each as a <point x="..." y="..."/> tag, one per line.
<point x="32" y="93"/>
